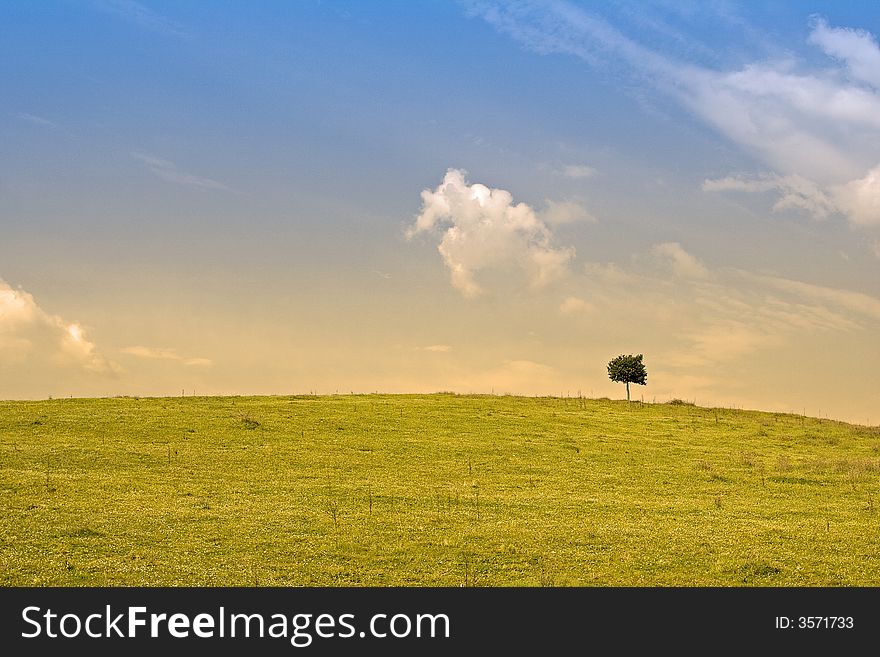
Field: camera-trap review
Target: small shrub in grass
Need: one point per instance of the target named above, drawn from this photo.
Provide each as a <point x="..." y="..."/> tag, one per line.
<point x="249" y="423"/>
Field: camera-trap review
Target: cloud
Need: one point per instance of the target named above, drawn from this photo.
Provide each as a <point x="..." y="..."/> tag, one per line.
<point x="609" y="274"/>
<point x="860" y="199"/>
<point x="577" y="171"/>
<point x="683" y="263"/>
<point x="138" y="14"/>
<point x="702" y="317"/>
<point x="198" y="362"/>
<point x="817" y="129"/>
<point x="812" y="125"/>
<point x="564" y="212"/>
<point x="36" y="120"/>
<point x="164" y="353"/>
<point x="438" y="348"/>
<point x="32" y="336"/>
<point x="857" y="302"/>
<point x="794" y="192"/>
<point x="574" y="305"/>
<point x="856" y="48"/>
<point x="169" y="172"/>
<point x="560" y="27"/>
<point x="149" y="352"/>
<point x="483" y="229"/>
<point x="74" y="342"/>
<point x="723" y="341"/>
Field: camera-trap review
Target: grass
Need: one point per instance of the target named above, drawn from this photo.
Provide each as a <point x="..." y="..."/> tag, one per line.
<point x="436" y="490"/>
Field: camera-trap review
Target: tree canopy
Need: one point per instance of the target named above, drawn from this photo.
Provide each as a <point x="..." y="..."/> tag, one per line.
<point x="628" y="369"/>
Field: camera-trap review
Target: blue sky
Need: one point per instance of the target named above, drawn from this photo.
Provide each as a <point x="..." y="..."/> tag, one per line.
<point x="229" y="197"/>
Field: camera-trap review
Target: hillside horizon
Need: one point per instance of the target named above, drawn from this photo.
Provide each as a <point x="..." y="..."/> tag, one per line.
<point x="671" y="401"/>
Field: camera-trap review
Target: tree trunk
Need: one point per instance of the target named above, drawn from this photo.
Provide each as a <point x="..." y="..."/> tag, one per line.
<point x="627" y="391"/>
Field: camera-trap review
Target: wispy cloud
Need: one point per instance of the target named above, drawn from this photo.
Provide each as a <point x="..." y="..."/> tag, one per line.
<point x="198" y="362"/>
<point x="164" y="353"/>
<point x="795" y="192"/>
<point x="483" y="229"/>
<point x="857" y="302"/>
<point x="438" y="348"/>
<point x="575" y="305"/>
<point x="858" y="199"/>
<point x="577" y="171"/>
<point x="818" y="130"/>
<point x="36" y="120"/>
<point x="142" y="16"/>
<point x="610" y="274"/>
<point x="722" y="341"/>
<point x="565" y="212"/>
<point x="719" y="315"/>
<point x="169" y="172"/>
<point x="151" y="352"/>
<point x="682" y="263"/>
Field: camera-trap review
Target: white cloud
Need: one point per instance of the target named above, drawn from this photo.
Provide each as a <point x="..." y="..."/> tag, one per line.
<point x="169" y="172"/>
<point x="856" y="48"/>
<point x="483" y="229"/>
<point x="564" y="212"/>
<point x="807" y="124"/>
<point x="17" y="307"/>
<point x="860" y="199"/>
<point x="817" y="129"/>
<point x="438" y="348"/>
<point x="683" y="263"/>
<point x="164" y="353"/>
<point x="577" y="171"/>
<point x="28" y="335"/>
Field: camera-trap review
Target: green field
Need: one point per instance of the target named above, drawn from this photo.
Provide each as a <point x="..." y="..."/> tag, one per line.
<point x="437" y="490"/>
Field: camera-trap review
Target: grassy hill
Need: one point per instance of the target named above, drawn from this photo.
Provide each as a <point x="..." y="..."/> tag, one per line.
<point x="432" y="490"/>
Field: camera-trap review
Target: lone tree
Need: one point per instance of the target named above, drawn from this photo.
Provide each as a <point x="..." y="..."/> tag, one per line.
<point x="628" y="369"/>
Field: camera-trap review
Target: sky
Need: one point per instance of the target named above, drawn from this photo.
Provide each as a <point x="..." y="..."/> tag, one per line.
<point x="478" y="197"/>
